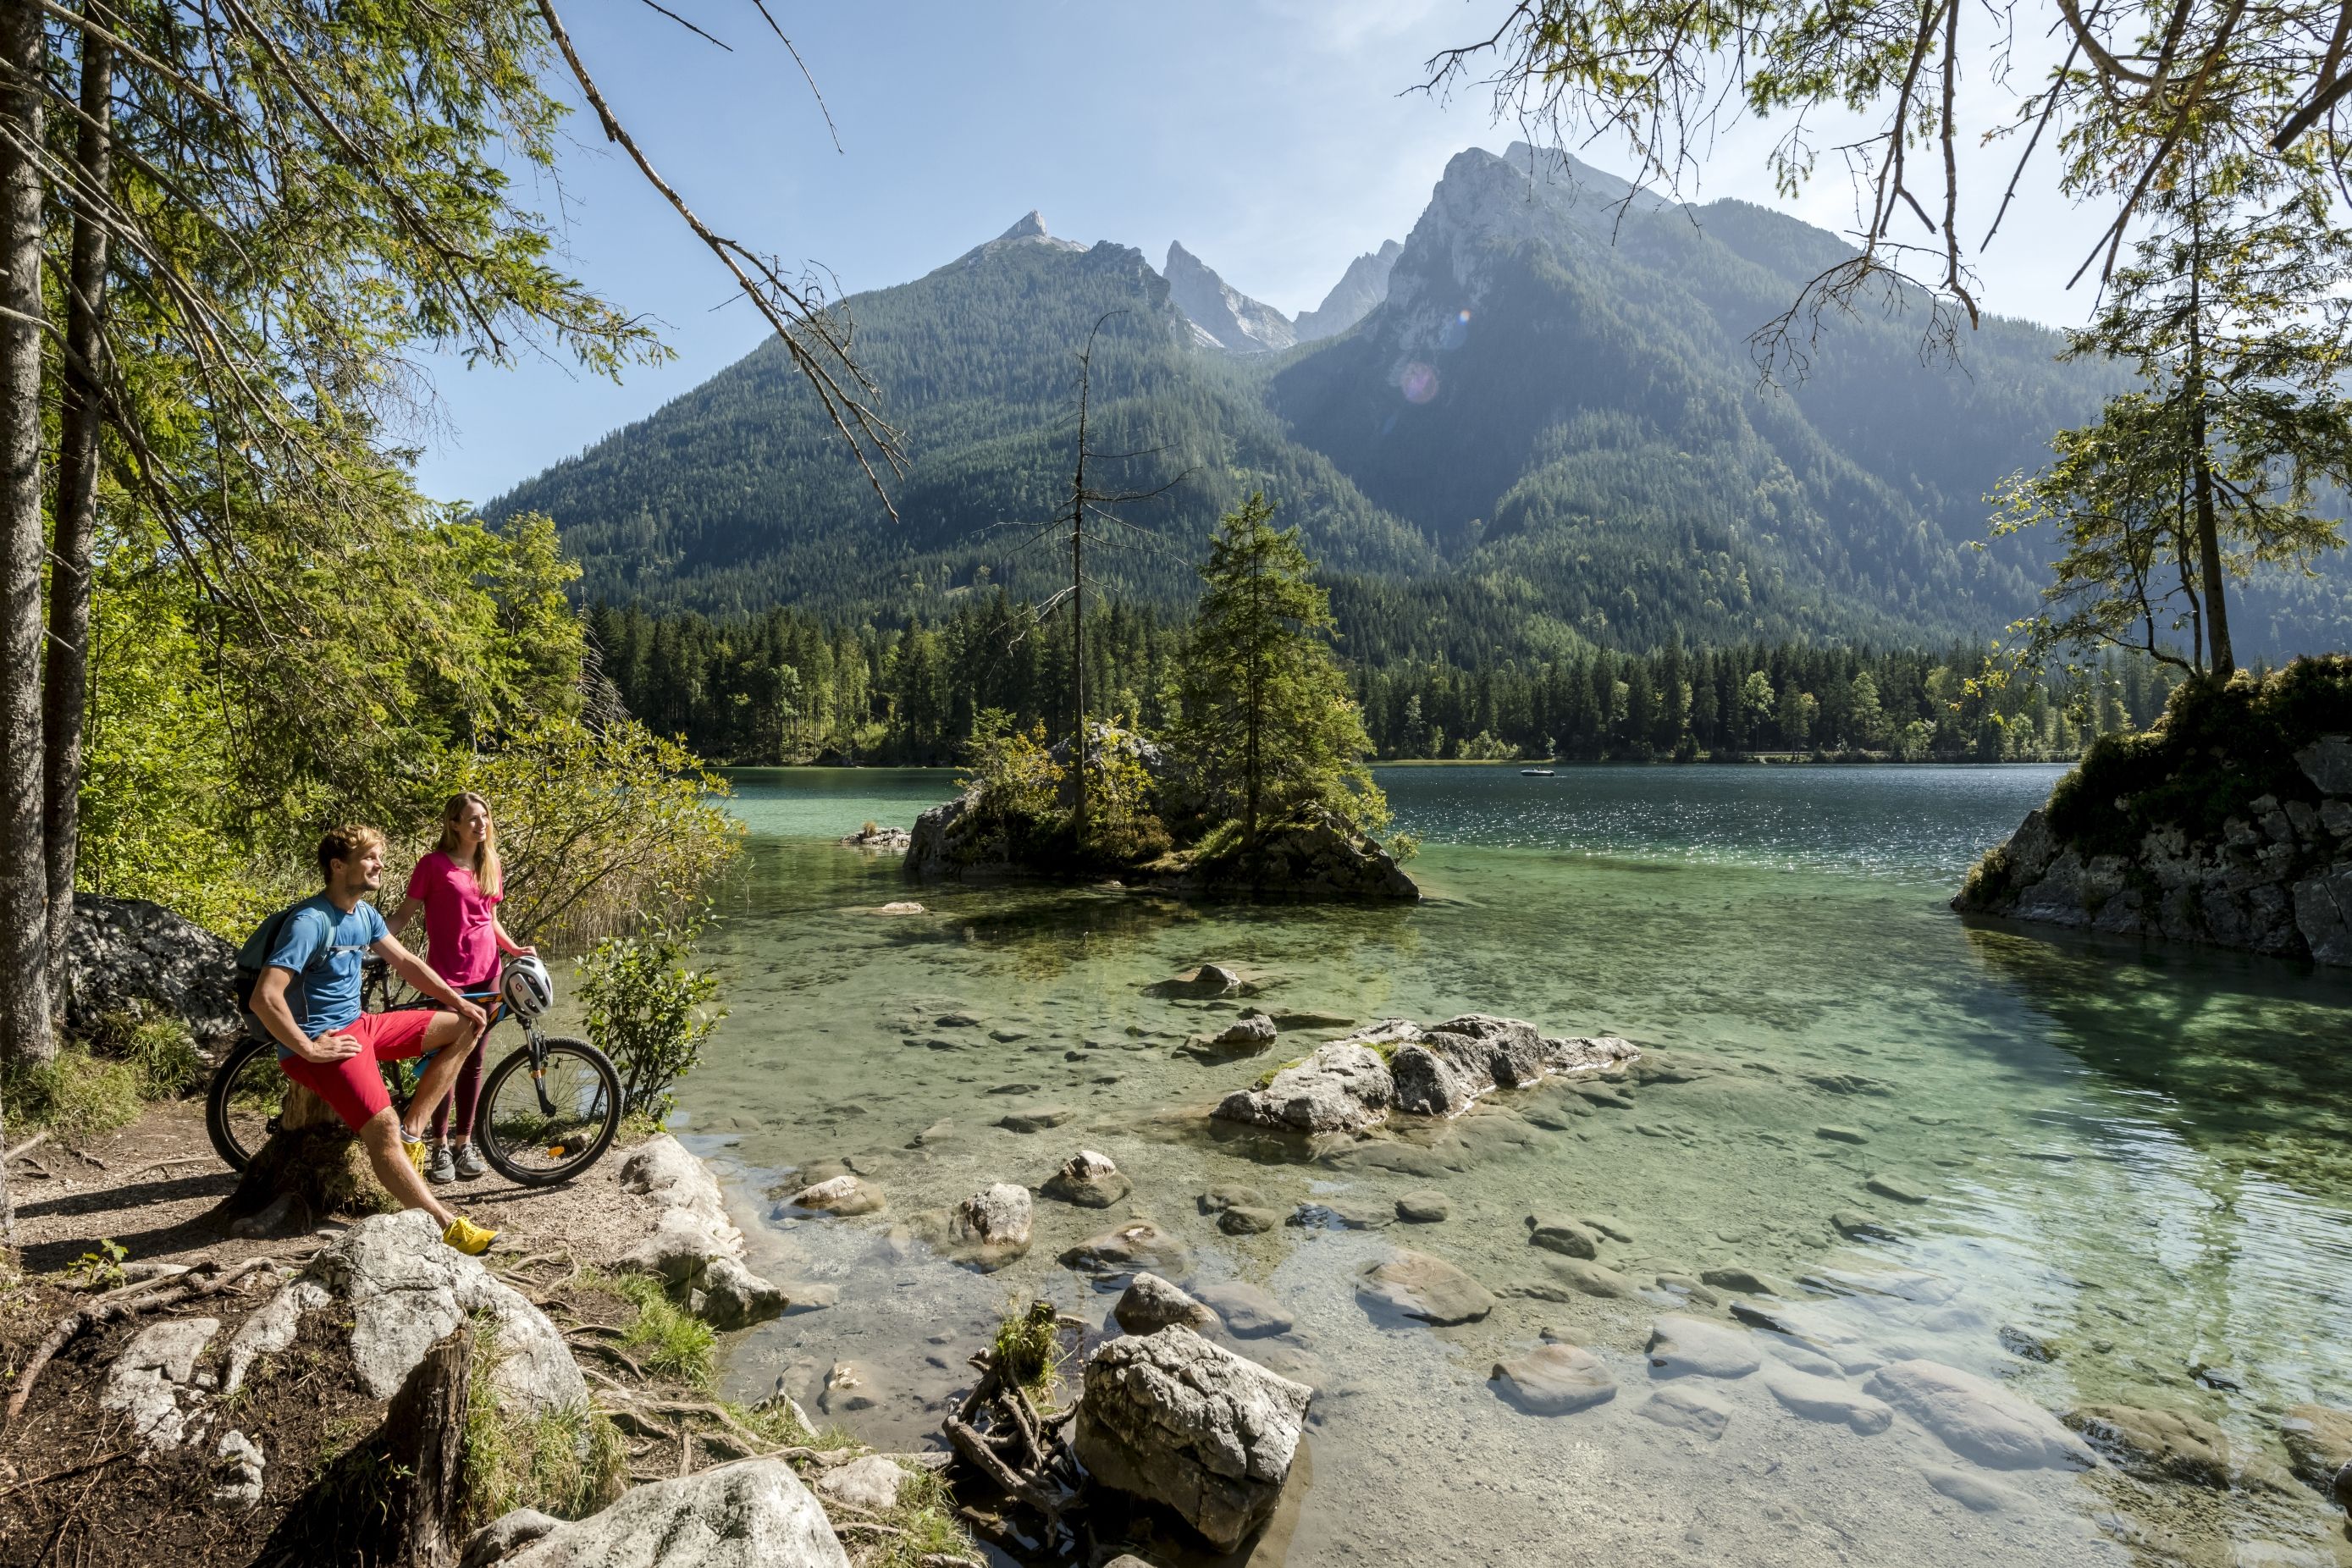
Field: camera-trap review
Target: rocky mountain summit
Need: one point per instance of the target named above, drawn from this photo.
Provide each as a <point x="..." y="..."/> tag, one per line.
<point x="1360" y="291"/>
<point x="1222" y="314"/>
<point x="2229" y="825"/>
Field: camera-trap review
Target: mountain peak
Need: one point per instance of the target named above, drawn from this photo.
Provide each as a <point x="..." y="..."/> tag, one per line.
<point x="1228" y="318"/>
<point x="1357" y="293"/>
<point x="1032" y="226"/>
<point x="1030" y="230"/>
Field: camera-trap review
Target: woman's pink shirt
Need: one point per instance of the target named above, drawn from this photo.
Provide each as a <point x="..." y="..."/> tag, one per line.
<point x="460" y="921"/>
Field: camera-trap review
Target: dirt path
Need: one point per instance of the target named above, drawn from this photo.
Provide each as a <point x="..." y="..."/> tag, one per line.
<point x="148" y="1188"/>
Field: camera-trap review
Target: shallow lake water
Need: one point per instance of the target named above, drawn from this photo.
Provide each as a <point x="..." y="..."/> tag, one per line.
<point x="2131" y="1167"/>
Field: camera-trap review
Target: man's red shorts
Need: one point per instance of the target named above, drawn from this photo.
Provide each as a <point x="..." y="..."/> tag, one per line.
<point x="353" y="1086"/>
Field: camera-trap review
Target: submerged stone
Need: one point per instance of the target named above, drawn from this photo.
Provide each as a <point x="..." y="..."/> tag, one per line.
<point x="1415" y="1285"/>
<point x="1554" y="1380"/>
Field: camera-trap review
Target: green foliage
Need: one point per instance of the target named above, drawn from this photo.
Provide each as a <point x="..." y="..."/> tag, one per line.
<point x="1269" y="728"/>
<point x="75" y="1094"/>
<point x="600" y="825"/>
<point x="2216" y="750"/>
<point x="100" y="1269"/>
<point x="648" y="1008"/>
<point x="568" y="1463"/>
<point x="156" y="1046"/>
<point x="1027" y="1348"/>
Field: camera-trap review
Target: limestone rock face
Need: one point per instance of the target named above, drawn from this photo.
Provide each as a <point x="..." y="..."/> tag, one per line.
<point x="404" y="1292"/>
<point x="1357" y="293"/>
<point x="1227" y="317"/>
<point x="2276" y="880"/>
<point x="754" y="1513"/>
<point x="1979" y="1420"/>
<point x="124" y="952"/>
<point x="1179" y="1421"/>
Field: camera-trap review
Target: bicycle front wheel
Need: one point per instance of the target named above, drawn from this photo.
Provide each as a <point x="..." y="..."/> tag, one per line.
<point x="547" y="1126"/>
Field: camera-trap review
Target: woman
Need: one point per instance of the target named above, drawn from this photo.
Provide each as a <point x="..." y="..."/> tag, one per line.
<point x="457" y="888"/>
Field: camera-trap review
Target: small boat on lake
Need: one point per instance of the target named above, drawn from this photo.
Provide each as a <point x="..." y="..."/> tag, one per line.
<point x="1535" y="773"/>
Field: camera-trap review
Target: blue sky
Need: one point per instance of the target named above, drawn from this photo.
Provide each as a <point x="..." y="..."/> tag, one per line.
<point x="1277" y="139"/>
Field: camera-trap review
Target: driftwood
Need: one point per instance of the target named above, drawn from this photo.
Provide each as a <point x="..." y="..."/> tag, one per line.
<point x="1014" y="1451"/>
<point x="114" y="1308"/>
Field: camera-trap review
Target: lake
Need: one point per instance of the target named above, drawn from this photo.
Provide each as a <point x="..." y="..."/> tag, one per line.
<point x="2131" y="1170"/>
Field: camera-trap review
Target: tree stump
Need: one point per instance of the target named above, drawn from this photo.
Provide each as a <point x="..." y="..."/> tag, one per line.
<point x="311" y="1167"/>
<point x="399" y="1496"/>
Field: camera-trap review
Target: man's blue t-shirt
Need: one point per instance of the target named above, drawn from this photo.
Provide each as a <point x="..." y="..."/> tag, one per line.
<point x="323" y="948"/>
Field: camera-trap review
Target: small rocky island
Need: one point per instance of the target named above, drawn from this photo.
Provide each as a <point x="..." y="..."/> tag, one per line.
<point x="1150" y="823"/>
<point x="2229" y="824"/>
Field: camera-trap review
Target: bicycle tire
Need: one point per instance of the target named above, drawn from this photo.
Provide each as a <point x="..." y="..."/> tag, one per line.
<point x="218" y="1124"/>
<point x="493" y="1143"/>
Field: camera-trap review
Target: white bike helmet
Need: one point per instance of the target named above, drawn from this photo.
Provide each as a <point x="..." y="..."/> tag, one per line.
<point x="525" y="986"/>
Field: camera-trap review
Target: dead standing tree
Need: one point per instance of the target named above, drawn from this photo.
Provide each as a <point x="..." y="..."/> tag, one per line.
<point x="1088" y="504"/>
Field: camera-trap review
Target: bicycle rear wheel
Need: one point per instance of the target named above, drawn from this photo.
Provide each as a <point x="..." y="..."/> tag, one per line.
<point x="242" y="1106"/>
<point x="548" y="1127"/>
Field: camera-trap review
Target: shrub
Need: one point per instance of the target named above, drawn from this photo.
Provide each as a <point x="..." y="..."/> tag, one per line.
<point x="156" y="1045"/>
<point x="1027" y="1348"/>
<point x="77" y="1094"/>
<point x="648" y="1010"/>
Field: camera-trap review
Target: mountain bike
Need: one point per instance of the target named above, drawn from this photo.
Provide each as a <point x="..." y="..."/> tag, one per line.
<point x="549" y="1109"/>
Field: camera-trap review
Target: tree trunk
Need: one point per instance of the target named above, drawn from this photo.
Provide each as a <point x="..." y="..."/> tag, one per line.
<point x="310" y="1168"/>
<point x="396" y="1497"/>
<point x="2220" y="661"/>
<point x="24" y="1030"/>
<point x="423" y="1436"/>
<point x="66" y="682"/>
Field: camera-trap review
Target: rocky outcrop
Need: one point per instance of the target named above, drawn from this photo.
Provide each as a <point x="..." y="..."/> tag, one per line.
<point x="1228" y="318"/>
<point x="694" y="1249"/>
<point x="2275" y="881"/>
<point x="1176" y="1420"/>
<point x="882" y="840"/>
<point x="125" y="954"/>
<point x="754" y="1513"/>
<point x="1321" y="858"/>
<point x="148" y="1377"/>
<point x="1353" y="1084"/>
<point x="2229" y="824"/>
<point x="401" y="1291"/>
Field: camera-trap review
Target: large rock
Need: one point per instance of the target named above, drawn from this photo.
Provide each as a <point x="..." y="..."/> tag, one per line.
<point x="735" y="1297"/>
<point x="872" y="1483"/>
<point x="1345" y="1087"/>
<point x="1247" y="1312"/>
<point x="1415" y="1285"/>
<point x="1089" y="1180"/>
<point x="844" y="1195"/>
<point x="1151" y="1304"/>
<point x="123" y="954"/>
<point x="402" y="1291"/>
<point x="1176" y="1420"/>
<point x="991" y="1228"/>
<point x="1979" y="1420"/>
<point x="754" y="1513"/>
<point x="1554" y="1380"/>
<point x="1250" y="1032"/>
<point x="694" y="1249"/>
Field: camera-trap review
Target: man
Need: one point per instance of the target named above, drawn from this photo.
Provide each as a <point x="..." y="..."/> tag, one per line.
<point x="307" y="998"/>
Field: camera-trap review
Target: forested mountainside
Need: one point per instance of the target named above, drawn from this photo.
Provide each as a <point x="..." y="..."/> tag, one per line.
<point x="1550" y="436"/>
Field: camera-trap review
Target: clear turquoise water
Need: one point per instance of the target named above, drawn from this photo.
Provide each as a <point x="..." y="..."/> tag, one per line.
<point x="2134" y="1157"/>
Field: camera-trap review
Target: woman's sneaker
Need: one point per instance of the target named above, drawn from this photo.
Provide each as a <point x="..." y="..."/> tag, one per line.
<point x="470" y="1163"/>
<point x="444" y="1168"/>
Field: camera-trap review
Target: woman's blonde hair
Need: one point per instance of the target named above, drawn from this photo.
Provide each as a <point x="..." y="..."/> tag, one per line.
<point x="489" y="874"/>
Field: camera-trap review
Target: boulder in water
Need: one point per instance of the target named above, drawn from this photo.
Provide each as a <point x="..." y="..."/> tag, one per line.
<point x="1554" y="1380"/>
<point x="1151" y="1304"/>
<point x="1175" y="1420"/>
<point x="1089" y="1180"/>
<point x="1979" y="1420"/>
<point x="1137" y="1245"/>
<point x="1415" y="1285"/>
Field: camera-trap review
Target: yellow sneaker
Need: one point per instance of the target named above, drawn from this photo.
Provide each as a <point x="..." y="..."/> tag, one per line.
<point x="468" y="1237"/>
<point x="418" y="1155"/>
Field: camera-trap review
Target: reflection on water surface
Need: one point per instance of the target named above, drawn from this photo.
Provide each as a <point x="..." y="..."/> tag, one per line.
<point x="2131" y="1165"/>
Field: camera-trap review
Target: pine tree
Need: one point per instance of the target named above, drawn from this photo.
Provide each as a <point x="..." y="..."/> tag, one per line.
<point x="1267" y="721"/>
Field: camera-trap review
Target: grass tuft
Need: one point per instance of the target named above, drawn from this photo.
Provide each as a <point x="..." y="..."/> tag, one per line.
<point x="569" y="1463"/>
<point x="75" y="1094"/>
<point x="664" y="1338"/>
<point x="1028" y="1348"/>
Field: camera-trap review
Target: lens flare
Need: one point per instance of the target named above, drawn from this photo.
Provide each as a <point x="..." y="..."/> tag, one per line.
<point x="1419" y="382"/>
